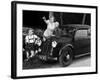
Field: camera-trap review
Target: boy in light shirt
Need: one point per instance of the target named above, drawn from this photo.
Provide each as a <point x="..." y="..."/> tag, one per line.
<point x="30" y="40"/>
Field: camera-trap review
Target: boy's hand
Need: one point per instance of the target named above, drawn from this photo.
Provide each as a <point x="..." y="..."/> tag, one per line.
<point x="44" y="39"/>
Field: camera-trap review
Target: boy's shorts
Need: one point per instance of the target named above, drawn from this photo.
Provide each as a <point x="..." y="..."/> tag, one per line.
<point x="29" y="47"/>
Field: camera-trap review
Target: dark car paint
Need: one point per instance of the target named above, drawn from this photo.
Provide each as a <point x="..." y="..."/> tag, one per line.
<point x="80" y="45"/>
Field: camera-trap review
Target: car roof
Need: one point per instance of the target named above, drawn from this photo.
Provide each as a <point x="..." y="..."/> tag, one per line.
<point x="78" y="26"/>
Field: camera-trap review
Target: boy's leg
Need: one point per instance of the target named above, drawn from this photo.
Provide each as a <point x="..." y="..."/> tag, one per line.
<point x="27" y="56"/>
<point x="32" y="53"/>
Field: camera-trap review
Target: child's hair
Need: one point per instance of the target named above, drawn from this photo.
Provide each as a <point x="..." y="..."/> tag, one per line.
<point x="51" y="14"/>
<point x="31" y="30"/>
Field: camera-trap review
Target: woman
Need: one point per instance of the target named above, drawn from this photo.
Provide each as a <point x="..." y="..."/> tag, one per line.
<point x="51" y="26"/>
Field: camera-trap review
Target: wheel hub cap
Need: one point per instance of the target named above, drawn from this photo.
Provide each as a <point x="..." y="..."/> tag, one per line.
<point x="67" y="56"/>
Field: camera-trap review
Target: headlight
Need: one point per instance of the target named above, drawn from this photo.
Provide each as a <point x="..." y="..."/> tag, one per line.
<point x="54" y="44"/>
<point x="38" y="42"/>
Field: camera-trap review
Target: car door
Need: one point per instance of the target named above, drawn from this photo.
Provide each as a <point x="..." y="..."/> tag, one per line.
<point x="81" y="41"/>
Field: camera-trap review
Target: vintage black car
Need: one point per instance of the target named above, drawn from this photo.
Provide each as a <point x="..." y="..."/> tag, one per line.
<point x="69" y="42"/>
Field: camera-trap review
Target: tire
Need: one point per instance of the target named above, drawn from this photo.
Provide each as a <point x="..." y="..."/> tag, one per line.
<point x="66" y="56"/>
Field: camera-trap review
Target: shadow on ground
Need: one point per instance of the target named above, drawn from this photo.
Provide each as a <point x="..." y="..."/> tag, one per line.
<point x="35" y="63"/>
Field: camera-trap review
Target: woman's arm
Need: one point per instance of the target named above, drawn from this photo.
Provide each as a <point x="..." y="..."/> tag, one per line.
<point x="56" y="30"/>
<point x="57" y="24"/>
<point x="46" y="21"/>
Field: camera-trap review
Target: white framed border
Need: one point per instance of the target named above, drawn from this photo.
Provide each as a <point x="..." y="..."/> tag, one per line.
<point x="41" y="72"/>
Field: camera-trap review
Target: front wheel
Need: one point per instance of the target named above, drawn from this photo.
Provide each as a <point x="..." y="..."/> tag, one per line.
<point x="66" y="56"/>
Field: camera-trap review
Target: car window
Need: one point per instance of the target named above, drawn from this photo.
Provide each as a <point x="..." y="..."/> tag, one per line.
<point x="81" y="34"/>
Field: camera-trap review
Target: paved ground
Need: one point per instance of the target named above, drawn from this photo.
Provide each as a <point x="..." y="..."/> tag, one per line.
<point x="36" y="63"/>
<point x="82" y="61"/>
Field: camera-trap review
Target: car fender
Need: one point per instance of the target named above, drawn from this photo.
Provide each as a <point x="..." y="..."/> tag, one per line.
<point x="67" y="45"/>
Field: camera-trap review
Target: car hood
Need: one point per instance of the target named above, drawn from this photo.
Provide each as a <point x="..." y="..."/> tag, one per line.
<point x="62" y="39"/>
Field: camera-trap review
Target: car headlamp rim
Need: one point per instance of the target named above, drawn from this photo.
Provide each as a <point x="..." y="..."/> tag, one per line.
<point x="54" y="43"/>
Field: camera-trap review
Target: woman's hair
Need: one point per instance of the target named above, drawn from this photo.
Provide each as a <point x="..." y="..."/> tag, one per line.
<point x="51" y="16"/>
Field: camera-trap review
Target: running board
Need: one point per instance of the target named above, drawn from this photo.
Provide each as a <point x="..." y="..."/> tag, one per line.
<point x="82" y="55"/>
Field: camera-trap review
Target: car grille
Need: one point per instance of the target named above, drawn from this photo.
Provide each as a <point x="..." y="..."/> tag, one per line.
<point x="46" y="47"/>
